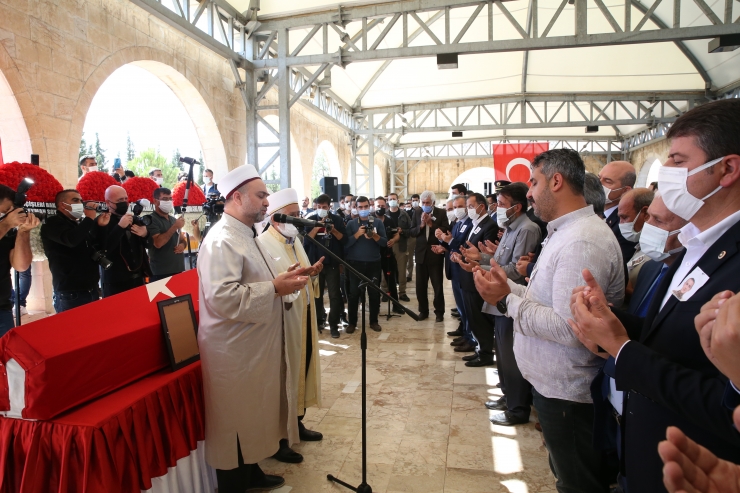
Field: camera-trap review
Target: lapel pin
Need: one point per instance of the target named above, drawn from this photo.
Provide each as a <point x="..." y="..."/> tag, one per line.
<point x="722" y="255"/>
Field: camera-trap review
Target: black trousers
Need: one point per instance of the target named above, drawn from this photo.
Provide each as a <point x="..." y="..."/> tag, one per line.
<point x="480" y="324"/>
<point x="329" y="279"/>
<point x="112" y="288"/>
<point x="517" y="390"/>
<point x="371" y="270"/>
<point x="390" y="272"/>
<point x="237" y="480"/>
<point x="426" y="272"/>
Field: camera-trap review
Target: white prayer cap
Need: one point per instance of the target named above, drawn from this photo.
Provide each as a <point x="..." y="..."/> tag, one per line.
<point x="236" y="178"/>
<point x="281" y="199"/>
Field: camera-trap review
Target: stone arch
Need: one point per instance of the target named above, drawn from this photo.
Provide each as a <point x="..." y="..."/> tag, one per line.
<point x="648" y="171"/>
<point x="183" y="83"/>
<point x="19" y="111"/>
<point x="331" y="156"/>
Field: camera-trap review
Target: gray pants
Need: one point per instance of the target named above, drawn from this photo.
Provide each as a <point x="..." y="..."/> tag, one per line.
<point x="401" y="260"/>
<point x="410" y="246"/>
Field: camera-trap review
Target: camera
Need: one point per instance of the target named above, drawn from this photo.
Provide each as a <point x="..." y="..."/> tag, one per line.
<point x="137" y="209"/>
<point x="370" y="228"/>
<point x="99" y="207"/>
<point x="20" y="194"/>
<point x="99" y="257"/>
<point x="390" y="232"/>
<point x="214" y="206"/>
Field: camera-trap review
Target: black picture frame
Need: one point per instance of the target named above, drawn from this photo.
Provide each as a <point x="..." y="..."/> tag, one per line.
<point x="176" y="323"/>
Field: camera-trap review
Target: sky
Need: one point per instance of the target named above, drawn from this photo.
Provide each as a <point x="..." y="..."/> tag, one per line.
<point x="134" y="101"/>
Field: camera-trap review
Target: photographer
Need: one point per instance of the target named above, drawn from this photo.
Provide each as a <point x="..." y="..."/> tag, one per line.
<point x="125" y="246"/>
<point x="365" y="238"/>
<point x="387" y="259"/>
<point x="166" y="240"/>
<point x="15" y="250"/>
<point x="69" y="239"/>
<point x="329" y="276"/>
<point x="401" y="246"/>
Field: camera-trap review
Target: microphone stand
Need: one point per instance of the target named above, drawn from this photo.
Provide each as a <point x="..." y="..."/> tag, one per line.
<point x="363" y="487"/>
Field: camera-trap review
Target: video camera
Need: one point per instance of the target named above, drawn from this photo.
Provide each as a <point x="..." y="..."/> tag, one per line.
<point x="20" y="194"/>
<point x="214" y="206"/>
<point x="137" y="209"/>
<point x="99" y="207"/>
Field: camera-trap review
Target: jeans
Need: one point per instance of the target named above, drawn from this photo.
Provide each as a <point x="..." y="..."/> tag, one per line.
<point x="329" y="279"/>
<point x="568" y="431"/>
<point x="155" y="277"/>
<point x="371" y="270"/>
<point x="113" y="288"/>
<point x="6" y="321"/>
<point x="66" y="300"/>
<point x="25" y="286"/>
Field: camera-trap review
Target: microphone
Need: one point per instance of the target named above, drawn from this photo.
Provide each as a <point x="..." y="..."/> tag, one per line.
<point x="189" y="160"/>
<point x="297" y="221"/>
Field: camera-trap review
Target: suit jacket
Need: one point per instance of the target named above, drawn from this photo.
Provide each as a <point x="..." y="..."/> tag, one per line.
<point x="487" y="229"/>
<point x="423" y="250"/>
<point x="645" y="279"/>
<point x="627" y="247"/>
<point x="460" y="230"/>
<point x="668" y="378"/>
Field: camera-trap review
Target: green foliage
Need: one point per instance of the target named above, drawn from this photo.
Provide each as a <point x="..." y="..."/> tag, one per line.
<point x="130" y="152"/>
<point x="83" y="151"/>
<point x="150" y="158"/>
<point x="99" y="153"/>
<point x="320" y="170"/>
<point x="176" y="160"/>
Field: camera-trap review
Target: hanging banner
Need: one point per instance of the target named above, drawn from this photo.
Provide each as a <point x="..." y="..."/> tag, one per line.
<point x="512" y="162"/>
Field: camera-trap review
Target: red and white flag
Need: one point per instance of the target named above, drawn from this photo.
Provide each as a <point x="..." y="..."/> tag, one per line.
<point x="512" y="162"/>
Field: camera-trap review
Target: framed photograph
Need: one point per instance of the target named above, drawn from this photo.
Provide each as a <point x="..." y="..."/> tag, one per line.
<point x="180" y="330"/>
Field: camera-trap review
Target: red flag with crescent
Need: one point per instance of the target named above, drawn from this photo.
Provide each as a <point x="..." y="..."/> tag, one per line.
<point x="512" y="162"/>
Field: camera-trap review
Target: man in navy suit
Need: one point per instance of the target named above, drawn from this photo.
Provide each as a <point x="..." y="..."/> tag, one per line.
<point x="618" y="178"/>
<point x="660" y="364"/>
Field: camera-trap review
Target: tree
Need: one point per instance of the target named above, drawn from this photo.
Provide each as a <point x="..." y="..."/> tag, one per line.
<point x="83" y="152"/>
<point x="148" y="159"/>
<point x="130" y="152"/>
<point x="320" y="170"/>
<point x="99" y="153"/>
<point x="201" y="168"/>
<point x="176" y="160"/>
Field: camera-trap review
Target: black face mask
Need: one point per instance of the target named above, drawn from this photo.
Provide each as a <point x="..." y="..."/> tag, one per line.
<point x="121" y="208"/>
<point x="380" y="211"/>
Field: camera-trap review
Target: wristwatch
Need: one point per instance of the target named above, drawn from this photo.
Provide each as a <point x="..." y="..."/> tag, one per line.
<point x="501" y="305"/>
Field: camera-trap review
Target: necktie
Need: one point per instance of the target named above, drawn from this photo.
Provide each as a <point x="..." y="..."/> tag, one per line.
<point x="642" y="309"/>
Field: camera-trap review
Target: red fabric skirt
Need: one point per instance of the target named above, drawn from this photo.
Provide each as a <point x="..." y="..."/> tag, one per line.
<point x="116" y="443"/>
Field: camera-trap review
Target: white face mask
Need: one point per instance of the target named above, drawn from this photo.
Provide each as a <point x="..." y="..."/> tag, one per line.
<point x="90" y="169"/>
<point x="207" y="180"/>
<point x="501" y="218"/>
<point x="473" y="213"/>
<point x="323" y="213"/>
<point x="461" y="212"/>
<point x="354" y="212"/>
<point x="158" y="180"/>
<point x="414" y="203"/>
<point x="607" y="191"/>
<point x="166" y="206"/>
<point x="287" y="230"/>
<point x="450" y="215"/>
<point x="628" y="231"/>
<point x="393" y="203"/>
<point x="673" y="186"/>
<point x="76" y="210"/>
<point x="653" y="240"/>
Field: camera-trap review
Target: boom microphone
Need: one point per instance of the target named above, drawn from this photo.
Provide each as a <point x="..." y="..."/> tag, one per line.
<point x="297" y="221"/>
<point x="189" y="160"/>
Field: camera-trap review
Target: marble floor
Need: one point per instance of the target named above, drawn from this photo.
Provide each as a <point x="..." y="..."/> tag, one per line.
<point x="428" y="430"/>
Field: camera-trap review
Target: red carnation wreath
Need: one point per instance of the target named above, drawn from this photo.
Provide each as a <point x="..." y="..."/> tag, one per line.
<point x="139" y="188"/>
<point x="195" y="196"/>
<point x="92" y="185"/>
<point x="45" y="186"/>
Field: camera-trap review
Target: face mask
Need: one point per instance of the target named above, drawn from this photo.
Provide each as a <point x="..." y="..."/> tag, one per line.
<point x="365" y="213"/>
<point x="206" y="180"/>
<point x="501" y="217"/>
<point x="473" y="213"/>
<point x="653" y="240"/>
<point x="461" y="212"/>
<point x="288" y="230"/>
<point x="427" y="208"/>
<point x="415" y="203"/>
<point x="450" y="215"/>
<point x="323" y="213"/>
<point x="354" y="212"/>
<point x="673" y="186"/>
<point x="380" y="211"/>
<point x="158" y="180"/>
<point x="407" y="209"/>
<point x="393" y="203"/>
<point x="77" y="210"/>
<point x="628" y="231"/>
<point x="166" y="206"/>
<point x="607" y="191"/>
<point x="121" y="208"/>
<point x="90" y="169"/>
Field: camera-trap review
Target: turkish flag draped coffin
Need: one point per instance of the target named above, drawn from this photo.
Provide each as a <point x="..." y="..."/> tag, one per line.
<point x="512" y="162"/>
<point x="75" y="356"/>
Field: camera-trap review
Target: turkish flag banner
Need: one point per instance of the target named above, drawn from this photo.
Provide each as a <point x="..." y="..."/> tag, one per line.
<point x="512" y="162"/>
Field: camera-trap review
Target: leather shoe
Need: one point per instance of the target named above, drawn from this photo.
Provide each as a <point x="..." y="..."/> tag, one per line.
<point x="470" y="357"/>
<point x="454" y="310"/>
<point x="465" y="348"/>
<point x="286" y="454"/>
<point x="457" y="339"/>
<point x="408" y="279"/>
<point x="455" y="333"/>
<point x="350" y="329"/>
<point x="480" y="362"/>
<point x="439" y="319"/>
<point x="334" y="332"/>
<point x="307" y="435"/>
<point x="458" y="342"/>
<point x="507" y="419"/>
<point x="455" y="314"/>
<point x="403" y="297"/>
<point x="267" y="482"/>
<point x="376" y="327"/>
<point x="497" y="405"/>
<point x="423" y="316"/>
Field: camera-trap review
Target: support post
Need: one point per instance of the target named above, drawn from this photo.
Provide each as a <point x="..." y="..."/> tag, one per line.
<point x="371" y="157"/>
<point x="284" y="107"/>
<point x="250" y="88"/>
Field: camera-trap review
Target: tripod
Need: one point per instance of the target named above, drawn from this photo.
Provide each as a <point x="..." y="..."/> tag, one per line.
<point x="363" y="487"/>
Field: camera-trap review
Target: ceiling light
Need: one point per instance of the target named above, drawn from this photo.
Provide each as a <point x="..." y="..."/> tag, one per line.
<point x="592" y="129"/>
<point x="447" y="61"/>
<point x="727" y="42"/>
<point x="457" y="134"/>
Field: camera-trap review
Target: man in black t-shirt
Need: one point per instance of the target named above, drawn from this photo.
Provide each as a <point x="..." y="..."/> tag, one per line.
<point x="70" y="241"/>
<point x="166" y="239"/>
<point x="401" y="250"/>
<point x="387" y="259"/>
<point x="15" y="250"/>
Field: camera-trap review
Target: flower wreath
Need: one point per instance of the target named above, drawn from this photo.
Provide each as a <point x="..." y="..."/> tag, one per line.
<point x="45" y="188"/>
<point x="195" y="196"/>
<point x="139" y="188"/>
<point x="92" y="185"/>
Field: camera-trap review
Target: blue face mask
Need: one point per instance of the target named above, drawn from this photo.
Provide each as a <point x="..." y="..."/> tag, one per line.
<point x="427" y="208"/>
<point x="364" y="213"/>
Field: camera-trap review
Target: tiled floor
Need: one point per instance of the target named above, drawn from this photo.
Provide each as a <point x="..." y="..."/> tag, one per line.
<point x="428" y="430"/>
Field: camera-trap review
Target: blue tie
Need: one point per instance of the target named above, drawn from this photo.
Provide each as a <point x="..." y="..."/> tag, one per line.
<point x="642" y="309"/>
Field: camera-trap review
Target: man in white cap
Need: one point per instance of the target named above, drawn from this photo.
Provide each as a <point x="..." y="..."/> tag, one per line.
<point x="246" y="372"/>
<point x="301" y="334"/>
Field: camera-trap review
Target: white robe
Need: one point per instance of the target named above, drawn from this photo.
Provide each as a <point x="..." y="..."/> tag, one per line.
<point x="307" y="388"/>
<point x="246" y="375"/>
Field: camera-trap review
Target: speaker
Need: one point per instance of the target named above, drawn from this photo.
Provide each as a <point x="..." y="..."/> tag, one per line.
<point x="344" y="189"/>
<point x="329" y="186"/>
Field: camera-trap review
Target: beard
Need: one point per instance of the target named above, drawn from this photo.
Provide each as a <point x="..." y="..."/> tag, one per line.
<point x="544" y="205"/>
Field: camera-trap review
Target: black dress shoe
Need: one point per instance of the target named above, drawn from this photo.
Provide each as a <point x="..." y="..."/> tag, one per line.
<point x="423" y="316"/>
<point x="350" y="329"/>
<point x="458" y="342"/>
<point x="376" y="327"/>
<point x="480" y="362"/>
<point x="470" y="357"/>
<point x="507" y="419"/>
<point x="455" y="333"/>
<point x="497" y="405"/>
<point x="455" y="314"/>
<point x="307" y="435"/>
<point x="267" y="482"/>
<point x="408" y="278"/>
<point x="335" y="333"/>
<point x="439" y="319"/>
<point x="287" y="454"/>
<point x="454" y="310"/>
<point x="465" y="348"/>
<point x="403" y="297"/>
